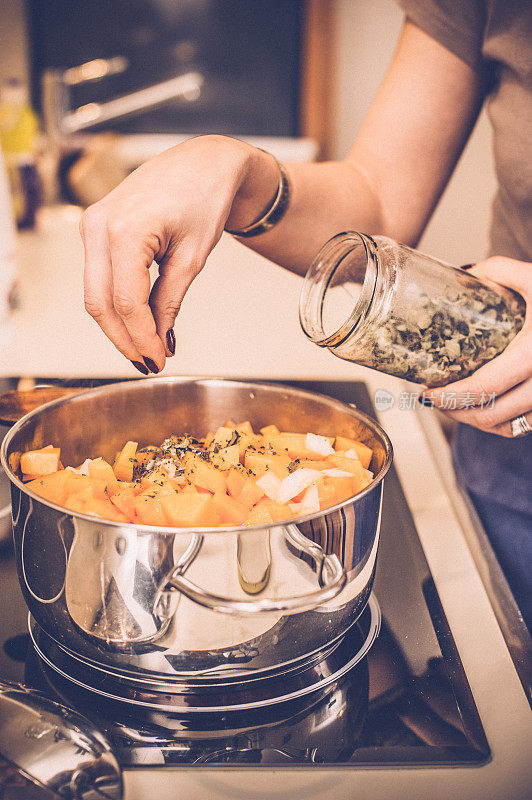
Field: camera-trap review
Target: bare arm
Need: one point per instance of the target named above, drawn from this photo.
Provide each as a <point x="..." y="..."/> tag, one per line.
<point x="398" y="167"/>
<point x="173" y="208"/>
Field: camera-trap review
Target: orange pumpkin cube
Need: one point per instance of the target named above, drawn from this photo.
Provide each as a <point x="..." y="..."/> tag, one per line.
<point x="51" y="487"/>
<point x="150" y="510"/>
<point x="203" y="474"/>
<point x="259" y="517"/>
<point x="260" y="463"/>
<point x="124" y="500"/>
<point x="190" y="510"/>
<point x="40" y="462"/>
<point x="99" y="468"/>
<point x="364" y="452"/>
<point x="229" y="510"/>
<point x="125" y="462"/>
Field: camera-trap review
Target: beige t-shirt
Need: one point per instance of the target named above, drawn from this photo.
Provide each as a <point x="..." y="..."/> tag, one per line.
<point x="495" y="37"/>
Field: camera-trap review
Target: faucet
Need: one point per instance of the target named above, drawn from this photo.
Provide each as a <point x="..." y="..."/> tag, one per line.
<point x="61" y="122"/>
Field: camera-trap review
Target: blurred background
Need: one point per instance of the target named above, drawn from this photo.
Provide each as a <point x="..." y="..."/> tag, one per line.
<point x="109" y="84"/>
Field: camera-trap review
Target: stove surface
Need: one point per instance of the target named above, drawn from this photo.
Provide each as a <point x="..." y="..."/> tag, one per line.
<point x="407" y="702"/>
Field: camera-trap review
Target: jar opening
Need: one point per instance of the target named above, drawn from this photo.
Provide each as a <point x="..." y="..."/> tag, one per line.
<point x="338" y="288"/>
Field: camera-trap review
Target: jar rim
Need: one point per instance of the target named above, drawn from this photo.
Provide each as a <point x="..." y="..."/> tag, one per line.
<point x="318" y="279"/>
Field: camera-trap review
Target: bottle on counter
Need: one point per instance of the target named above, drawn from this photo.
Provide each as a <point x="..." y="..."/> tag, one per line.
<point x="384" y="305"/>
<point x="8" y="262"/>
<point x="19" y="128"/>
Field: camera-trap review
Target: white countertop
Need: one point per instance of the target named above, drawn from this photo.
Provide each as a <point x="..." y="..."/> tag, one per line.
<point x="252" y="330"/>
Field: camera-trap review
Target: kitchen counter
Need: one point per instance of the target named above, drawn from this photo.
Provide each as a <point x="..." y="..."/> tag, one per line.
<point x="253" y="331"/>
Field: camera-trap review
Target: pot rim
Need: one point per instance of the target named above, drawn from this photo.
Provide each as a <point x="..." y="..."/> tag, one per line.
<point x="374" y="426"/>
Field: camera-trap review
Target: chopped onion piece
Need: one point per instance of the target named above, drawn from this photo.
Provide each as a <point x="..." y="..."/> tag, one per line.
<point x="318" y="444"/>
<point x="294" y="483"/>
<point x="83" y="469"/>
<point x="270" y="484"/>
<point x="337" y="473"/>
<point x="310" y="502"/>
<point x="351" y="454"/>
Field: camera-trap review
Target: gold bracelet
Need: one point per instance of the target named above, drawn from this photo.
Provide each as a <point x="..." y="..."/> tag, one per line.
<point x="275" y="211"/>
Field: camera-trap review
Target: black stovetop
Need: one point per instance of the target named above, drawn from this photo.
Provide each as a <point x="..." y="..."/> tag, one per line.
<point x="408" y="702"/>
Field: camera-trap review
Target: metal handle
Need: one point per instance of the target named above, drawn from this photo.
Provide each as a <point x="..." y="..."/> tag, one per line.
<point x="161" y="603"/>
<point x="329" y="567"/>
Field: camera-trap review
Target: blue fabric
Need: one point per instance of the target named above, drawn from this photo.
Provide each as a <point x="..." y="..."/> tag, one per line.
<point x="497" y="473"/>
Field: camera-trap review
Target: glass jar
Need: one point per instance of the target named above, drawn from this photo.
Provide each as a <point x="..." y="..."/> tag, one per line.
<point x="383" y="305"/>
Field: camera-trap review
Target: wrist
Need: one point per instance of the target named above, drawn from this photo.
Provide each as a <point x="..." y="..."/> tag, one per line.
<point x="257" y="187"/>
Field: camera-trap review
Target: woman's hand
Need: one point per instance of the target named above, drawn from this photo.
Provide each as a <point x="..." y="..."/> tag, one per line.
<point x="501" y="389"/>
<point x="171" y="210"/>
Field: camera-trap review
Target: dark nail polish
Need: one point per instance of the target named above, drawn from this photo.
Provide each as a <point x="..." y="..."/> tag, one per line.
<point x="141" y="367"/>
<point x="152" y="366"/>
<point x="170" y="340"/>
<point x="425" y="402"/>
<point x="467" y="266"/>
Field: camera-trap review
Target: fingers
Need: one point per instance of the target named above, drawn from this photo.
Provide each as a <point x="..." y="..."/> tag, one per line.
<point x="495" y="414"/>
<point x="516" y="275"/>
<point x="175" y="276"/>
<point x="498" y="376"/>
<point x="98" y="284"/>
<point x="131" y="257"/>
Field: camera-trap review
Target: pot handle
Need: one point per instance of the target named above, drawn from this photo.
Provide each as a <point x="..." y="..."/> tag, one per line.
<point x="332" y="577"/>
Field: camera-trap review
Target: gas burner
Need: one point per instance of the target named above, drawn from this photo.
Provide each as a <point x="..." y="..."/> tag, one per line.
<point x="310" y="684"/>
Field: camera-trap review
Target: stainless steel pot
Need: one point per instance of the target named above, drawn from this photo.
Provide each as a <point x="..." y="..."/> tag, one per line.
<point x="192" y="606"/>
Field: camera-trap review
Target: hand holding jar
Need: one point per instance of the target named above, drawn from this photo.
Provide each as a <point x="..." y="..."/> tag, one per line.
<point x="386" y="306"/>
<point x="508" y="377"/>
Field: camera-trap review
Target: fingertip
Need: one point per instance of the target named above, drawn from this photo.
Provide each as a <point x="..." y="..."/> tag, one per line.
<point x="170" y="341"/>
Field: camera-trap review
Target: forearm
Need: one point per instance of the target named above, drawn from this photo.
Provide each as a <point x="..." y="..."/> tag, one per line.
<point x="325" y="199"/>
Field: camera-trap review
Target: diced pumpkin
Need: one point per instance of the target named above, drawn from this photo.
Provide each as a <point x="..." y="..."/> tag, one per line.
<point x="203" y="474"/>
<point x="189" y="489"/>
<point x="234" y="481"/>
<point x="364" y="452"/>
<point x="150" y="510"/>
<point x="157" y="490"/>
<point x="293" y="444"/>
<point x="270" y="430"/>
<point x="76" y="503"/>
<point x="245" y="427"/>
<point x="99" y="468"/>
<point x="243" y="488"/>
<point x="229" y="510"/>
<point x="223" y="436"/>
<point x="51" y="487"/>
<point x="75" y="483"/>
<point x="124" y="500"/>
<point x="307" y="463"/>
<point x="40" y="462"/>
<point x="157" y="477"/>
<point x="259" y="517"/>
<point x="105" y="509"/>
<point x="259" y="463"/>
<point x="190" y="510"/>
<point x="277" y="511"/>
<point x="348" y="465"/>
<point x="125" y="462"/>
<point x="226" y="457"/>
<point x="244" y="442"/>
<point x="334" y="490"/>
